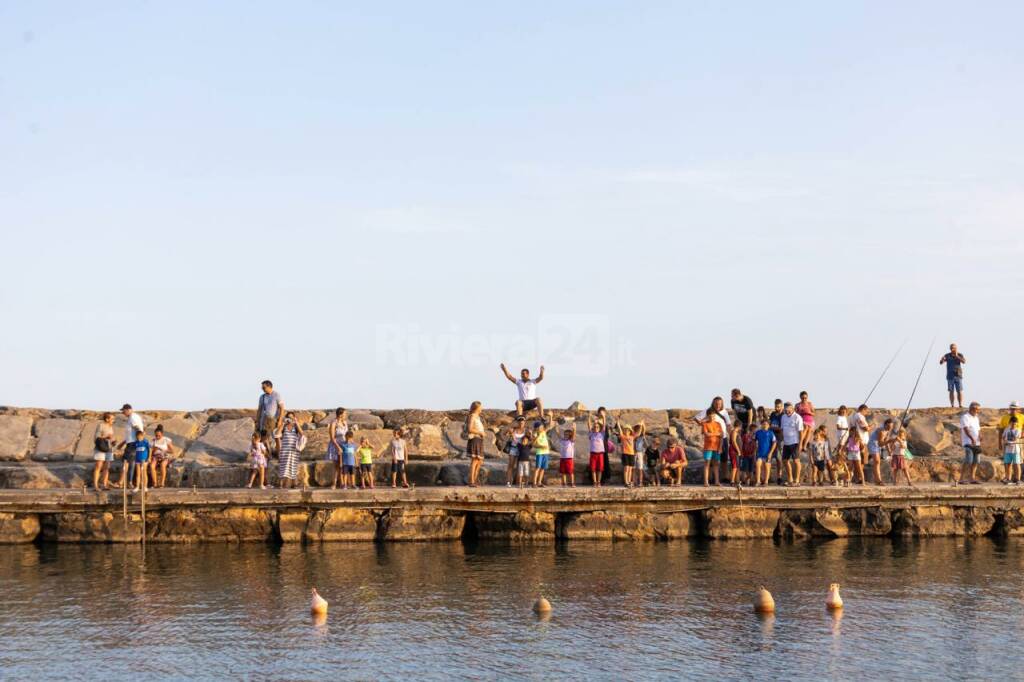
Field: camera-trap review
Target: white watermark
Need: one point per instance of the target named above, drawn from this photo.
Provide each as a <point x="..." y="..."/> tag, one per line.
<point x="572" y="345"/>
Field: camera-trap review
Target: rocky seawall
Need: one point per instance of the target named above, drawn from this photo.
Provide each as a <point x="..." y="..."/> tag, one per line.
<point x="43" y="448"/>
<point x="508" y="515"/>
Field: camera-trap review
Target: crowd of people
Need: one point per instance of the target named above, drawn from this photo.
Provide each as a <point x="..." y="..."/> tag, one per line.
<point x="751" y="447"/>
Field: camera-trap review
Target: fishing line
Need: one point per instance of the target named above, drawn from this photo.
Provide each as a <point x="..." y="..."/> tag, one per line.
<point x="884" y="372"/>
<point x="903" y="419"/>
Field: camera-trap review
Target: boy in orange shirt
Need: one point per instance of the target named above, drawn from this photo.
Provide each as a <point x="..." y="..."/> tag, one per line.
<point x="712" y="446"/>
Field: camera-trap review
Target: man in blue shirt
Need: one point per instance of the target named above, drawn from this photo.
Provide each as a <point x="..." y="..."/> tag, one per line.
<point x="954" y="362"/>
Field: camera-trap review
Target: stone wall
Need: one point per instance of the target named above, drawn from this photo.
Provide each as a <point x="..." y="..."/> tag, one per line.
<point x="41" y="448"/>
<point x="345" y="524"/>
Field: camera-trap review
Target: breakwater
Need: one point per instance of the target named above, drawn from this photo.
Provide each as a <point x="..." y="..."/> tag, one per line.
<point x="503" y="514"/>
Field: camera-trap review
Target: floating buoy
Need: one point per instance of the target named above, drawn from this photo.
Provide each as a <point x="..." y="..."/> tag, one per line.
<point x="319" y="604"/>
<point x="542" y="605"/>
<point x="763" y="602"/>
<point x="834" y="601"/>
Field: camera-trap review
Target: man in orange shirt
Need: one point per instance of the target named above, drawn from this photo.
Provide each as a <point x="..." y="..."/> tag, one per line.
<point x="712" y="446"/>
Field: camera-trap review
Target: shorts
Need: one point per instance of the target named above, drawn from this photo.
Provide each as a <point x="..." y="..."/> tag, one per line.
<point x="366" y="468"/>
<point x="348" y="469"/>
<point x="529" y="404"/>
<point x="349" y="462"/>
<point x="258" y="462"/>
<point x="972" y="454"/>
<point x="596" y="461"/>
<point x="820" y="466"/>
<point x="475" y="447"/>
<point x="542" y="461"/>
<point x="853" y="456"/>
<point x="129" y="451"/>
<point x="790" y="451"/>
<point x="955" y="384"/>
<point x="762" y="457"/>
<point x="899" y="463"/>
<point x="398" y="466"/>
<point x="652" y="463"/>
<point x="102" y="456"/>
<point x="712" y="456"/>
<point x="524" y="468"/>
<point x="629" y="460"/>
<point x="1011" y="458"/>
<point x="747" y="464"/>
<point x="141" y="459"/>
<point x="565" y="466"/>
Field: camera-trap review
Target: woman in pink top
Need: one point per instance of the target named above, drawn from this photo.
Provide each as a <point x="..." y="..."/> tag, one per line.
<point x="805" y="408"/>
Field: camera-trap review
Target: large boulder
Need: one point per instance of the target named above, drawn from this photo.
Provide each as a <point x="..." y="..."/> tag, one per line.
<point x="223" y="441"/>
<point x="723" y="523"/>
<point x="17" y="528"/>
<point x="395" y="418"/>
<point x="928" y="435"/>
<point x="656" y="421"/>
<point x="426" y="441"/>
<point x="37" y="476"/>
<point x="56" y="439"/>
<point x="15" y="434"/>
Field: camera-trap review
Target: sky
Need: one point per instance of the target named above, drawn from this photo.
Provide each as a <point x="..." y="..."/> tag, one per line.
<point x="374" y="204"/>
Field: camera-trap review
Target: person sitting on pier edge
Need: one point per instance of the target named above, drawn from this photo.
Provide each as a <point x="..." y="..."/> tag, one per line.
<point x="527" y="390"/>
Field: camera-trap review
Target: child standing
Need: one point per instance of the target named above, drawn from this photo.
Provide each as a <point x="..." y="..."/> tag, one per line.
<point x="515" y="437"/>
<point x="1012" y="451"/>
<point x="348" y="461"/>
<point x="854" y="447"/>
<point x="142" y="449"/>
<point x="639" y="444"/>
<point x="365" y="454"/>
<point x="766" y="445"/>
<point x="735" y="451"/>
<point x="842" y="426"/>
<point x="596" y="437"/>
<point x="567" y="457"/>
<point x="398" y="459"/>
<point x="627" y="439"/>
<point x="541" y="450"/>
<point x="748" y="455"/>
<point x="712" y="430"/>
<point x="523" y="460"/>
<point x="821" y="455"/>
<point x="897" y="456"/>
<point x="257" y="460"/>
<point x="652" y="453"/>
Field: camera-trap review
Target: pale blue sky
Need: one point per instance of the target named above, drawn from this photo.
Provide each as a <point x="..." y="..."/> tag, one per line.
<point x="194" y="196"/>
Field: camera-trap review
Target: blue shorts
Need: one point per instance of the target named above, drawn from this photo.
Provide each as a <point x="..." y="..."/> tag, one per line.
<point x="1011" y="458"/>
<point x="762" y="457"/>
<point x="542" y="462"/>
<point x="349" y="462"/>
<point x="747" y="464"/>
<point x="955" y="384"/>
<point x="972" y="455"/>
<point x="712" y="456"/>
<point x="141" y="459"/>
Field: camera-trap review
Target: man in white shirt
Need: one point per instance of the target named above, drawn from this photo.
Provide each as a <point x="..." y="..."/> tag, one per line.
<point x="792" y="425"/>
<point x="134" y="423"/>
<point x="527" y="390"/>
<point x="970" y="438"/>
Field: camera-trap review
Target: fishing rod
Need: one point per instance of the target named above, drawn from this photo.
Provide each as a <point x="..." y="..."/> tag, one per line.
<point x="884" y="372"/>
<point x="903" y="419"/>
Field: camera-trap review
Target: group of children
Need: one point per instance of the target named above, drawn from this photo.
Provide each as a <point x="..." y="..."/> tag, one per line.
<point x="144" y="461"/>
<point x="344" y="453"/>
<point x="780" y="437"/>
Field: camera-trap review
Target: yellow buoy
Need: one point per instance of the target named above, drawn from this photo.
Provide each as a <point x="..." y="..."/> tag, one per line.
<point x="319" y="604"/>
<point x="834" y="601"/>
<point x="763" y="602"/>
<point x="542" y="605"/>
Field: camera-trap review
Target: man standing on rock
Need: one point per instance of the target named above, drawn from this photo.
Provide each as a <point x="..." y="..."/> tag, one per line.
<point x="742" y="407"/>
<point x="970" y="438"/>
<point x="269" y="416"/>
<point x="527" y="388"/>
<point x="954" y="362"/>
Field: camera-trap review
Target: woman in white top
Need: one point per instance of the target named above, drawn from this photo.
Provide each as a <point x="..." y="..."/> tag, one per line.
<point x="475" y="441"/>
<point x="103" y="454"/>
<point x="163" y="450"/>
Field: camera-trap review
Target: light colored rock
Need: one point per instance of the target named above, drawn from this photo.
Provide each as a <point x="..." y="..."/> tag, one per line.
<point x="17" y="528"/>
<point x="15" y="433"/>
<point x="340" y="525"/>
<point x="38" y="476"/>
<point x="577" y="408"/>
<point x="740" y="522"/>
<point x="927" y="435"/>
<point x="515" y="527"/>
<point x="232" y="524"/>
<point x="56" y="439"/>
<point x="656" y="421"/>
<point x="92" y="527"/>
<point x="939" y="521"/>
<point x="395" y="418"/>
<point x="421" y="524"/>
<point x="602" y="525"/>
<point x="226" y="441"/>
<point x="426" y="441"/>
